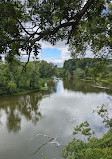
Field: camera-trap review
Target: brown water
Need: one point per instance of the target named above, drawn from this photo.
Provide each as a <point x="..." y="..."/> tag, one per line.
<point x="28" y="122"/>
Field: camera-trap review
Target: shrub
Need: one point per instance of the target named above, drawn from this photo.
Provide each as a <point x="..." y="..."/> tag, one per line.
<point x="93" y="148"/>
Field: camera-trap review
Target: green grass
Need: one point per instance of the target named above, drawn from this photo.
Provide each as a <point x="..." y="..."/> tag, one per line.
<point x="21" y="92"/>
<point x="43" y="88"/>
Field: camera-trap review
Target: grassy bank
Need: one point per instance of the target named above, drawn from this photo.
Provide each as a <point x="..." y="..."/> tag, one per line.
<point x="29" y="91"/>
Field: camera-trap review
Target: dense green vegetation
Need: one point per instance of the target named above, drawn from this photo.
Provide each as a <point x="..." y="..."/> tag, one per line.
<point x="13" y="79"/>
<point x="93" y="147"/>
<point x="88" y="68"/>
<point x="82" y="24"/>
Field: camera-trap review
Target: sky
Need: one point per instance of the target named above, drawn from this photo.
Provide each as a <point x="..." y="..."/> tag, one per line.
<point x="56" y="54"/>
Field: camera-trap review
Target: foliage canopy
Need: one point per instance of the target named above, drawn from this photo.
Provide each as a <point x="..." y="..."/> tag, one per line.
<point x="12" y="80"/>
<point x="24" y="23"/>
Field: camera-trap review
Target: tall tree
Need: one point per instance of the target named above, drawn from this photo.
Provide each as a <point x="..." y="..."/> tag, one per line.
<point x="23" y="24"/>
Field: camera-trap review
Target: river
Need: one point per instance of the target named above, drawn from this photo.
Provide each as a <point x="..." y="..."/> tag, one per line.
<point x="38" y="125"/>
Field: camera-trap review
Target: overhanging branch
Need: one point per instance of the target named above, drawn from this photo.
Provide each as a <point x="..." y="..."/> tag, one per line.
<point x="74" y="22"/>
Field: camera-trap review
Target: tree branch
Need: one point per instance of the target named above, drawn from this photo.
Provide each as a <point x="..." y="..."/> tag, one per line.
<point x="23" y="27"/>
<point x="73" y="23"/>
<point x="29" y="53"/>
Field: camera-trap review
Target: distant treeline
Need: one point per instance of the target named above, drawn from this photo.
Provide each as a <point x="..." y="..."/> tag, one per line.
<point x="13" y="79"/>
<point x="90" y="68"/>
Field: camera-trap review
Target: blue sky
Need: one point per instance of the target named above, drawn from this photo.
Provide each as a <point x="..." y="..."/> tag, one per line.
<point x="56" y="54"/>
<point x="59" y="53"/>
<point x="51" y="53"/>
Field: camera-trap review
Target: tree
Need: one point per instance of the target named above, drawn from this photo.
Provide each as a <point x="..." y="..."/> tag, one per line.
<point x="30" y="79"/>
<point x="79" y="73"/>
<point x="81" y="23"/>
<point x="98" y="70"/>
<point x="47" y="69"/>
<point x="12" y="87"/>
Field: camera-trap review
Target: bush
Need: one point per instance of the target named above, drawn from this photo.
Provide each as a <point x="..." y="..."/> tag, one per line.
<point x="93" y="148"/>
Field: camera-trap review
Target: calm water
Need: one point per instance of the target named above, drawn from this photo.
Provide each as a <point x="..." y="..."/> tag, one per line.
<point x="28" y="122"/>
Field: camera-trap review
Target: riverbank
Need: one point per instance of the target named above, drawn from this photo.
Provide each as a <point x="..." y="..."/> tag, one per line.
<point x="100" y="83"/>
<point x="23" y="92"/>
<point x="29" y="91"/>
<point x="14" y="80"/>
<point x="54" y="113"/>
<point x="43" y="82"/>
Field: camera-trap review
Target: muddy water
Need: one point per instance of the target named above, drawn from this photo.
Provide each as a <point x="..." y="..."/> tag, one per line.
<point x="39" y="124"/>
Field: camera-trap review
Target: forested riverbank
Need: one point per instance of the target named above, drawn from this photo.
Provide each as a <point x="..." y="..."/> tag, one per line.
<point x="99" y="72"/>
<point x="15" y="79"/>
<point x="28" y="26"/>
<point x="54" y="113"/>
<point x="96" y="69"/>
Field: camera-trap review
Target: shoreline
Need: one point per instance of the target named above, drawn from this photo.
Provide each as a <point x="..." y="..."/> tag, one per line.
<point x="23" y="92"/>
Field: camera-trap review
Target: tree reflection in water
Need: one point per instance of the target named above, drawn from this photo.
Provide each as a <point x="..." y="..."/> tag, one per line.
<point x="17" y="107"/>
<point x="84" y="86"/>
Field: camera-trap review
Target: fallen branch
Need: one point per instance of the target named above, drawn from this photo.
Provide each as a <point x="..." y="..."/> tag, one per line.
<point x="51" y="139"/>
<point x="43" y="145"/>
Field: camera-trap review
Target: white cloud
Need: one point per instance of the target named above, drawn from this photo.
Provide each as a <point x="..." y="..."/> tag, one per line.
<point x="65" y="54"/>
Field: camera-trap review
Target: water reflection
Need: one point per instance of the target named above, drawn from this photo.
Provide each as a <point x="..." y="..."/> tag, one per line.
<point x="23" y="106"/>
<point x="83" y="86"/>
<point x="52" y="112"/>
<point x="17" y="108"/>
